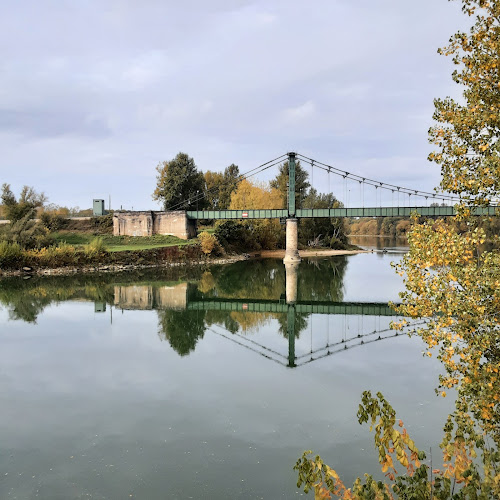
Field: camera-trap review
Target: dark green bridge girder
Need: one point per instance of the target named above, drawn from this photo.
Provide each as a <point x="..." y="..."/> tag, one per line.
<point x="280" y="306"/>
<point x="336" y="212"/>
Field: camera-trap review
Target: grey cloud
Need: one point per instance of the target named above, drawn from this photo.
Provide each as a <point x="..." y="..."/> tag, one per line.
<point x="126" y="84"/>
<point x="44" y="124"/>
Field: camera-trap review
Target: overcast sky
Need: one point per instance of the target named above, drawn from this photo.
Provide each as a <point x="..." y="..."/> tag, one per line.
<point x="95" y="93"/>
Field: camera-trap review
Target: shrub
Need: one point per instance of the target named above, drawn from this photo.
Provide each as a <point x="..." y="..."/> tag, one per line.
<point x="232" y="234"/>
<point x="54" y="256"/>
<point x="53" y="222"/>
<point x="27" y="233"/>
<point x="10" y="254"/>
<point x="336" y="244"/>
<point x="96" y="248"/>
<point x="102" y="224"/>
<point x="209" y="243"/>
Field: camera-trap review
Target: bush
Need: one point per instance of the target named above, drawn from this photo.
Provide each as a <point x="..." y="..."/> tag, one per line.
<point x="96" y="248"/>
<point x="209" y="243"/>
<point x="27" y="233"/>
<point x="232" y="235"/>
<point x="53" y="222"/>
<point x="53" y="256"/>
<point x="336" y="244"/>
<point x="10" y="254"/>
<point x="102" y="224"/>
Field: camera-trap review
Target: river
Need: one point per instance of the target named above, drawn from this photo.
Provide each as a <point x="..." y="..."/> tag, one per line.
<point x="185" y="383"/>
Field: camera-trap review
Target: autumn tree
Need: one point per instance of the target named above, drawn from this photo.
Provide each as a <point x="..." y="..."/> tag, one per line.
<point x="220" y="186"/>
<point x="467" y="131"/>
<point x="280" y="182"/>
<point x="453" y="285"/>
<point x="27" y="204"/>
<point x="213" y="181"/>
<point x="264" y="233"/>
<point x="179" y="184"/>
<point x="23" y="229"/>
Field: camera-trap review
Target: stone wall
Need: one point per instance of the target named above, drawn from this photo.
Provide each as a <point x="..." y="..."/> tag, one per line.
<point x="133" y="224"/>
<point x="173" y="223"/>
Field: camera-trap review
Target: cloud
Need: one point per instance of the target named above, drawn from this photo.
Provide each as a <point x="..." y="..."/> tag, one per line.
<point x="301" y="112"/>
<point x="117" y="86"/>
<point x="44" y="123"/>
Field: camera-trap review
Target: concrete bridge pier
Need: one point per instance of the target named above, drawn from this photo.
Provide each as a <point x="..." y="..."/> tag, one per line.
<point x="292" y="253"/>
<point x="291" y="298"/>
<point x="291" y="335"/>
<point x="291" y="282"/>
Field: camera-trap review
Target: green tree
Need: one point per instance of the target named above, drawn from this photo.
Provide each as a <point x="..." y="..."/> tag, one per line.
<point x="230" y="183"/>
<point x="328" y="229"/>
<point x="280" y="182"/>
<point x="29" y="200"/>
<point x="212" y="191"/>
<point x="220" y="186"/>
<point x="179" y="184"/>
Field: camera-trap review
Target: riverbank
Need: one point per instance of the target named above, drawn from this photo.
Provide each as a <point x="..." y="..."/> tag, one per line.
<point x="156" y="258"/>
<point x="115" y="268"/>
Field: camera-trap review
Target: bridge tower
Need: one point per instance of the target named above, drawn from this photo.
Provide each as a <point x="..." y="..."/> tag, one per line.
<point x="292" y="253"/>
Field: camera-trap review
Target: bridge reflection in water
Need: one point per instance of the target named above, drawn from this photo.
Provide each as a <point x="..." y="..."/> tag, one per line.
<point x="178" y="299"/>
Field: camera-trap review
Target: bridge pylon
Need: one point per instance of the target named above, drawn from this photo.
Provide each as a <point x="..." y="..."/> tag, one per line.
<point x="292" y="252"/>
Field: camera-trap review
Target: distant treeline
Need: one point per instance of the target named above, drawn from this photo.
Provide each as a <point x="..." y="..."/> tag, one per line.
<point x="399" y="226"/>
<point x="381" y="226"/>
<point x="54" y="209"/>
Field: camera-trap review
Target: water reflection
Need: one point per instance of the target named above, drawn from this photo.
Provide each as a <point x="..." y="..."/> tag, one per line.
<point x="381" y="243"/>
<point x="237" y="302"/>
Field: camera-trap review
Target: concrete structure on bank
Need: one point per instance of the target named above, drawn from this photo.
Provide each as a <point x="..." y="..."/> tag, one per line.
<point x="148" y="223"/>
<point x="147" y="297"/>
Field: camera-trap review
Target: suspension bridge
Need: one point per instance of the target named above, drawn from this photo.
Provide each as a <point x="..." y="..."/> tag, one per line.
<point x="404" y="202"/>
<point x="359" y="197"/>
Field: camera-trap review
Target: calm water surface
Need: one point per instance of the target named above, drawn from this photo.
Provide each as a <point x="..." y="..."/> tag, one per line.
<point x="176" y="384"/>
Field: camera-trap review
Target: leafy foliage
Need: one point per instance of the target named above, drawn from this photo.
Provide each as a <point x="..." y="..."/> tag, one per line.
<point x="261" y="233"/>
<point x="280" y="182"/>
<point x="102" y="224"/>
<point x="10" y="253"/>
<point x="95" y="248"/>
<point x="331" y="230"/>
<point x="27" y="233"/>
<point x="209" y="243"/>
<point x="29" y="200"/>
<point x="53" y="221"/>
<point x="179" y="183"/>
<point x="220" y="186"/>
<point x="467" y="133"/>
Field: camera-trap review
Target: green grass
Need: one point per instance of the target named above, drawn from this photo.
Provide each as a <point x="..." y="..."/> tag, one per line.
<point x="122" y="243"/>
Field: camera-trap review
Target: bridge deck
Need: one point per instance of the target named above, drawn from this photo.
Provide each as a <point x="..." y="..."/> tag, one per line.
<point x="335" y="212"/>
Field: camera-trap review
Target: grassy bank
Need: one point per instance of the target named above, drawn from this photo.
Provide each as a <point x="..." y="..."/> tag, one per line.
<point x="120" y="243"/>
<point x="93" y="254"/>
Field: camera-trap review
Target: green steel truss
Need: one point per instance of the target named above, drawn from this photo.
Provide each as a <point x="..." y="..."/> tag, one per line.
<point x="336" y="212"/>
<point x="280" y="306"/>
